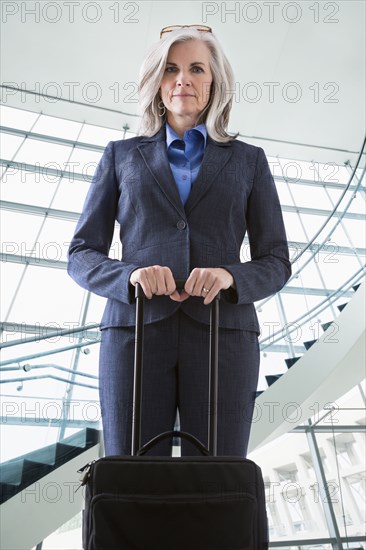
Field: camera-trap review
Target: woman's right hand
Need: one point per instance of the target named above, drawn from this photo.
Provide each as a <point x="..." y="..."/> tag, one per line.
<point x="155" y="279"/>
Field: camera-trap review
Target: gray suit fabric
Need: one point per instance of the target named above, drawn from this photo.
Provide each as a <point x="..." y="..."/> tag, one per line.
<point x="233" y="195"/>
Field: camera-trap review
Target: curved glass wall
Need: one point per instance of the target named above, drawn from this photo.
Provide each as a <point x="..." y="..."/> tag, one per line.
<point x="49" y="365"/>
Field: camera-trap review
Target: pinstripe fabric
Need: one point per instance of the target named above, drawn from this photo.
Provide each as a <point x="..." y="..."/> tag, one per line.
<point x="176" y="375"/>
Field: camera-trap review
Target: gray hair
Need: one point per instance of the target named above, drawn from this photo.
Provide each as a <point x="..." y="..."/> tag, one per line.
<point x="216" y="113"/>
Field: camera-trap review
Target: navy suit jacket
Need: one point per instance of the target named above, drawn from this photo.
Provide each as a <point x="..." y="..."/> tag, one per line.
<point x="233" y="194"/>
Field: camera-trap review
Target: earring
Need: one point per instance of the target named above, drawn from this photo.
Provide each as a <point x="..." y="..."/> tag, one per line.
<point x="161" y="106"/>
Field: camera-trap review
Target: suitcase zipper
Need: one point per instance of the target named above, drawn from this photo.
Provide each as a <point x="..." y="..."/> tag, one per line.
<point x="183" y="498"/>
<point x="86" y="473"/>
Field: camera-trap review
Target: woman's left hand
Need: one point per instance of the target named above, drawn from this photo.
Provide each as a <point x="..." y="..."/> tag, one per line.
<point x="206" y="282"/>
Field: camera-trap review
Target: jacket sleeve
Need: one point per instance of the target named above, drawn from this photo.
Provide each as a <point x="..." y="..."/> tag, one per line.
<point x="269" y="267"/>
<point x="88" y="261"/>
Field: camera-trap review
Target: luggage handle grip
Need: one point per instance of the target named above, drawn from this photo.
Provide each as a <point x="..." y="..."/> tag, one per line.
<point x="175" y="433"/>
<point x="179" y="283"/>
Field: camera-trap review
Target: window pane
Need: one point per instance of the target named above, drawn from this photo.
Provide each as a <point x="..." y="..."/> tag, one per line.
<point x="53" y="242"/>
<point x="309" y="196"/>
<point x="17" y="118"/>
<point x="294" y="229"/>
<point x="71" y="194"/>
<point x="98" y="135"/>
<point x="355" y="228"/>
<point x="19" y="232"/>
<point x="28" y="187"/>
<point x="47" y="295"/>
<point x="41" y="153"/>
<point x="295" y="509"/>
<point x="9" y="145"/>
<point x="343" y="455"/>
<point x="284" y="193"/>
<point x="85" y="161"/>
<point x="10" y="278"/>
<point x="54" y="126"/>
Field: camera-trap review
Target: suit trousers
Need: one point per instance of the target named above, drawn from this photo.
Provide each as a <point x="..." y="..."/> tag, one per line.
<point x="175" y="378"/>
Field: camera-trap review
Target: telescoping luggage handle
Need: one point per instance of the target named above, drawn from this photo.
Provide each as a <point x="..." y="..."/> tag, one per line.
<point x="138" y="374"/>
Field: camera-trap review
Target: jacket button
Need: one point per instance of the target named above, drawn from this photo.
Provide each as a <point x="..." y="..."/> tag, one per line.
<point x="181" y="225"/>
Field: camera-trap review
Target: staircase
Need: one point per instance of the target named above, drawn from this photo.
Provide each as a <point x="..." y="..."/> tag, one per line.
<point x="329" y="368"/>
<point x="37" y="490"/>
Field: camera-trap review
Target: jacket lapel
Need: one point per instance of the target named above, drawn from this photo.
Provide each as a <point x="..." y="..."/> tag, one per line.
<point x="154" y="153"/>
<point x="215" y="157"/>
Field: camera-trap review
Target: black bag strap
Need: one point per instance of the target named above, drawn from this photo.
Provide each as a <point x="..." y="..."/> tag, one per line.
<point x="168" y="435"/>
<point x="138" y="372"/>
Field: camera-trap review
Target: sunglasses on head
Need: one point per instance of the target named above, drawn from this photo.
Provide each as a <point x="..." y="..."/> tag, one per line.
<point x="170" y="28"/>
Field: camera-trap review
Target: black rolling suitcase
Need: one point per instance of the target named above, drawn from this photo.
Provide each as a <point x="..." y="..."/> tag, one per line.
<point x="184" y="503"/>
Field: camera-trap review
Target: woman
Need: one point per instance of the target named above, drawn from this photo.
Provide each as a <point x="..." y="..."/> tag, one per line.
<point x="184" y="193"/>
